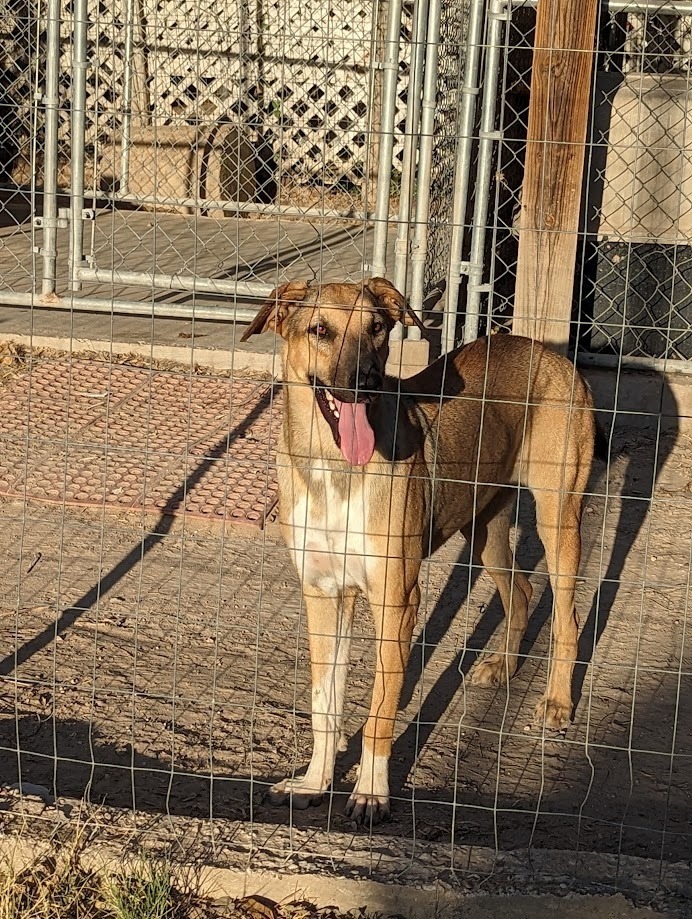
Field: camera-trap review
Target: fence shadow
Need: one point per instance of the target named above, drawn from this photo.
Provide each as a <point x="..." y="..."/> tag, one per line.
<point x="634" y="496"/>
<point x="68" y="757"/>
<point x="69" y="616"/>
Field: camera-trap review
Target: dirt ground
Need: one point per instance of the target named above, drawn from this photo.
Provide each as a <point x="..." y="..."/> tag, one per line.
<point x="162" y="668"/>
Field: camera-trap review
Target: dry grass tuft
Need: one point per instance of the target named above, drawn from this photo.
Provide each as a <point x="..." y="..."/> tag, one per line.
<point x="63" y="882"/>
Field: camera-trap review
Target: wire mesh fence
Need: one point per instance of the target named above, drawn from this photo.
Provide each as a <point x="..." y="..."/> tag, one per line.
<point x="156" y="666"/>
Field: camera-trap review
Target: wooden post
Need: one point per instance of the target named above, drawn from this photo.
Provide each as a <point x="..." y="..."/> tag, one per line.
<point x="551" y="194"/>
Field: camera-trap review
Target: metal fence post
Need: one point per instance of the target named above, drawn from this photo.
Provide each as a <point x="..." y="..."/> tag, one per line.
<point x="386" y="130"/>
<point x="48" y="222"/>
<point x="462" y="170"/>
<point x="135" y="94"/>
<point x="498" y="13"/>
<point x="78" y="138"/>
<point x="427" y="130"/>
<point x="408" y="166"/>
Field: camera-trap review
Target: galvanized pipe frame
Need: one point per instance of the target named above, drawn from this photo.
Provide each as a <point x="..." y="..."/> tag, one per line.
<point x="78" y="135"/>
<point x="390" y="65"/>
<point x="80" y="271"/>
<point x="158" y="280"/>
<point x="151" y="309"/>
<point x="237" y="208"/>
<point x="126" y="123"/>
<point x="499" y="13"/>
<point x="462" y="171"/>
<point x="427" y="135"/>
<point x="48" y="222"/>
<point x="423" y="67"/>
<point x="408" y="170"/>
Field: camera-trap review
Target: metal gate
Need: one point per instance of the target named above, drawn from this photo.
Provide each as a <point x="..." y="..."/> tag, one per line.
<point x="210" y="153"/>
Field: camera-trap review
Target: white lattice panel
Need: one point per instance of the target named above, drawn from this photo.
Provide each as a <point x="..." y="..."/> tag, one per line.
<point x="294" y="71"/>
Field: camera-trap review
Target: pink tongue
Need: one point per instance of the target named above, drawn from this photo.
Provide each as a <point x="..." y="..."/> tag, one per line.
<point x="357" y="437"/>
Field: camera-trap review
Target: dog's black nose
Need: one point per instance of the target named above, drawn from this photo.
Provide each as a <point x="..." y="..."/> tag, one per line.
<point x="370" y="380"/>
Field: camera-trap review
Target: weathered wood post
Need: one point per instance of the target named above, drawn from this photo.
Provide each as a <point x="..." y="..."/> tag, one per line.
<point x="563" y="61"/>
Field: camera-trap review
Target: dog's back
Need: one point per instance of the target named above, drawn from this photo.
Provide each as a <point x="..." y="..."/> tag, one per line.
<point x="501" y="411"/>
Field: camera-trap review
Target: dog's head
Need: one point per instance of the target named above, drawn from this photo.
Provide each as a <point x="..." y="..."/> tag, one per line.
<point x="337" y="341"/>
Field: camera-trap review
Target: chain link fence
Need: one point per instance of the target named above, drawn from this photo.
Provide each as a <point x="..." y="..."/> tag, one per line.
<point x="181" y="159"/>
<point x="632" y="297"/>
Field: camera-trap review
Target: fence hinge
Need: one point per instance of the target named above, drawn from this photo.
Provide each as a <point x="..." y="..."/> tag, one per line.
<point x="88" y="213"/>
<point x="500" y="9"/>
<point x="463" y="271"/>
<point x="61" y="222"/>
<point x="483" y="288"/>
<point x="42" y="99"/>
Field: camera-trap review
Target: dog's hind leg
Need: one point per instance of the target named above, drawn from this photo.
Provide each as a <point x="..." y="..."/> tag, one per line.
<point x="394" y="612"/>
<point x="489" y="536"/>
<point x="330" y="623"/>
<point x="558" y="515"/>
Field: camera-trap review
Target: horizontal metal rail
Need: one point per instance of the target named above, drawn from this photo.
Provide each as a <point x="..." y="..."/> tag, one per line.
<point x="163" y="309"/>
<point x="237" y="207"/>
<point x="160" y="281"/>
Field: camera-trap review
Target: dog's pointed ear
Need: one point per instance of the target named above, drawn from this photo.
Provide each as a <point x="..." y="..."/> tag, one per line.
<point x="274" y="312"/>
<point x="393" y="302"/>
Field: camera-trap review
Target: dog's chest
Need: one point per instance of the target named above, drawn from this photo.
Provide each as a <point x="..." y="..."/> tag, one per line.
<point x="329" y="535"/>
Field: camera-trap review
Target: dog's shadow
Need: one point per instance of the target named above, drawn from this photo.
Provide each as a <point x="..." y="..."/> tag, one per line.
<point x="634" y="494"/>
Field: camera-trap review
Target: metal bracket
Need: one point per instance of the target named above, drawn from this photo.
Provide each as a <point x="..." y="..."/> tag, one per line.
<point x="53" y="101"/>
<point x="61" y="222"/>
<point x="458" y="275"/>
<point x="500" y="9"/>
<point x="88" y="213"/>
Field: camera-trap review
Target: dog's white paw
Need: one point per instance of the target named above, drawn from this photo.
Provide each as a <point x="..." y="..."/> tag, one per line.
<point x="299" y="793"/>
<point x="369" y="801"/>
<point x="368" y="809"/>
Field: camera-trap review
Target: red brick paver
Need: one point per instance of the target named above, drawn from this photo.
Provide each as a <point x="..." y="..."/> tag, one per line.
<point x="92" y="434"/>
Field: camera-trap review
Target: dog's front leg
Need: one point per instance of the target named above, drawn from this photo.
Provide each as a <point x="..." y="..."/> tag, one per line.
<point x="330" y="622"/>
<point x="395" y="616"/>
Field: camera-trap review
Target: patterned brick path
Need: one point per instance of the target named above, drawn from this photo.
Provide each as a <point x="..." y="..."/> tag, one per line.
<point x="92" y="434"/>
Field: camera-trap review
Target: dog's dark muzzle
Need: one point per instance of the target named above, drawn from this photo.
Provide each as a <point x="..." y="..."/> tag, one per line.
<point x="361" y="387"/>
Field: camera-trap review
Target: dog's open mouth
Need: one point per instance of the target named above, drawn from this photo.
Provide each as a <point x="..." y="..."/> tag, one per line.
<point x="351" y="429"/>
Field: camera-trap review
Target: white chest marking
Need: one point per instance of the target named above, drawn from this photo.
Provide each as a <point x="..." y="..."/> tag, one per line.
<point x="330" y="540"/>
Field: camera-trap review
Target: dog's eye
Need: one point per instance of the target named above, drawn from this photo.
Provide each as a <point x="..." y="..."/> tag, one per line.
<point x="318" y="330"/>
<point x="377" y="327"/>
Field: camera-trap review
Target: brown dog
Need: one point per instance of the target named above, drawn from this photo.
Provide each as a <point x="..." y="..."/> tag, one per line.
<point x="375" y="475"/>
